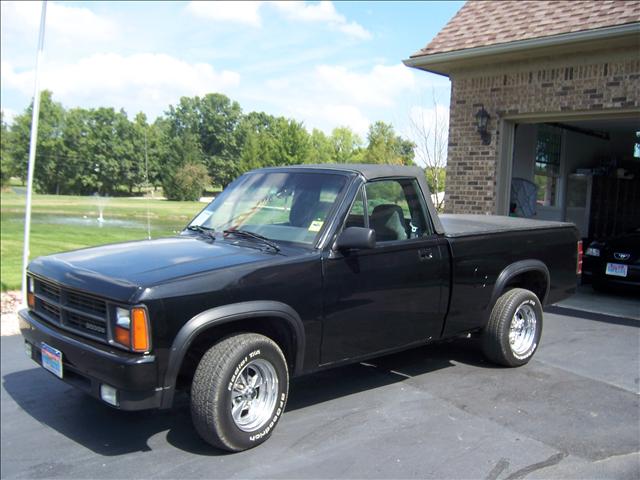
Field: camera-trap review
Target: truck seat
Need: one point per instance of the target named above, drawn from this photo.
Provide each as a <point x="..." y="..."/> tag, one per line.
<point x="388" y="222"/>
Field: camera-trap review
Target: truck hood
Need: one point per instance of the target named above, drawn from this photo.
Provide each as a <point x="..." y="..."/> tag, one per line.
<point x="119" y="271"/>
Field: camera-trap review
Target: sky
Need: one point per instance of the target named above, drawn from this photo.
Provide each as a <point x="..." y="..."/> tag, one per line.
<point x="326" y="64"/>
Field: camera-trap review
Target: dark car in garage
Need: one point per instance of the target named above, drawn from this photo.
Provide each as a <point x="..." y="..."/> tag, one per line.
<point x="614" y="263"/>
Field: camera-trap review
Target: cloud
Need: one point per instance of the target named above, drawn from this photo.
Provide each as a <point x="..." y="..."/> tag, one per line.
<point x="140" y="80"/>
<point x="243" y="12"/>
<point x="249" y="13"/>
<point x="330" y="95"/>
<point x="378" y="87"/>
<point x="326" y="117"/>
<point x="69" y="22"/>
<point x="321" y="12"/>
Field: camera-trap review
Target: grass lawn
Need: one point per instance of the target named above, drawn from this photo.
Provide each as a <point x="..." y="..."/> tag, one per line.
<point x="64" y="222"/>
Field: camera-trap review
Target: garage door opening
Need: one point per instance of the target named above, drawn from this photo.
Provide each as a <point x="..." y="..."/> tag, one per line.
<point x="585" y="171"/>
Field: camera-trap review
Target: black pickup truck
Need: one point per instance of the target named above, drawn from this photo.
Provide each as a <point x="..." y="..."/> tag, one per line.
<point x="288" y="271"/>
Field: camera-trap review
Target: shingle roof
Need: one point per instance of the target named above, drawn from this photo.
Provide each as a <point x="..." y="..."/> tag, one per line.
<point x="483" y="23"/>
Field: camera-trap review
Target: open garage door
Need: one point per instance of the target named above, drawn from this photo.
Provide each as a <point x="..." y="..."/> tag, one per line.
<point x="585" y="171"/>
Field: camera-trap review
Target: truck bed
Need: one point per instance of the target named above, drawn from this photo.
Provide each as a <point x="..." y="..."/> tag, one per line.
<point x="459" y="225"/>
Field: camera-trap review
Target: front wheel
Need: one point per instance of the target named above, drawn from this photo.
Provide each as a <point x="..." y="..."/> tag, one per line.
<point x="513" y="332"/>
<point x="239" y="391"/>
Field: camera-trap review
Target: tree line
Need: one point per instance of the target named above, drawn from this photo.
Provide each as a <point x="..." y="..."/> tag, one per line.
<point x="199" y="142"/>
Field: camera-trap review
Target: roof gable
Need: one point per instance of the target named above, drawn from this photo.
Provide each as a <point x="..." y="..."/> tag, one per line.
<point x="485" y="23"/>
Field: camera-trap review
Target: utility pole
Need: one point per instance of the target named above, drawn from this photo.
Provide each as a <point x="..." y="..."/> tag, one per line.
<point x="32" y="153"/>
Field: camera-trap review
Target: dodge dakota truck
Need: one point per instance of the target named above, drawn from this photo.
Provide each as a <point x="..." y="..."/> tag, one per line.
<point x="288" y="271"/>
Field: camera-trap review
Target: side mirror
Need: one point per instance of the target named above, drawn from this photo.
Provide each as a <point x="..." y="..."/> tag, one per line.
<point x="353" y="238"/>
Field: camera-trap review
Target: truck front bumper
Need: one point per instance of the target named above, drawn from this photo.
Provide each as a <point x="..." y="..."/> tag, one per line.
<point x="88" y="365"/>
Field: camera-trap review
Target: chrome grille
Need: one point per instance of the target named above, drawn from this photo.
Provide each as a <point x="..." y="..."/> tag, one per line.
<point x="71" y="310"/>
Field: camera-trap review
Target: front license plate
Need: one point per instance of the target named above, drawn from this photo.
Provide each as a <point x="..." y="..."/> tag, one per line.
<point x="616" y="269"/>
<point x="51" y="359"/>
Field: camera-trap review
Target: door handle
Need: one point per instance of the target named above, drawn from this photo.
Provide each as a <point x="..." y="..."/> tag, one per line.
<point x="425" y="254"/>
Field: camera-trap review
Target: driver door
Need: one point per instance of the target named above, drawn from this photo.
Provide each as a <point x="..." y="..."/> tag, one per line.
<point x="392" y="295"/>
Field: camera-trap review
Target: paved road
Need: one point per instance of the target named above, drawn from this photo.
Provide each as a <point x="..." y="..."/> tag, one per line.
<point x="433" y="412"/>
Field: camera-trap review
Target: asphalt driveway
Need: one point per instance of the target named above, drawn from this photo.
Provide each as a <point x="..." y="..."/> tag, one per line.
<point x="433" y="412"/>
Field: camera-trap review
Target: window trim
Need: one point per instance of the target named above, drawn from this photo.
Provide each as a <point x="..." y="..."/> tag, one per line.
<point x="552" y="169"/>
<point x="361" y="182"/>
<point x="429" y="228"/>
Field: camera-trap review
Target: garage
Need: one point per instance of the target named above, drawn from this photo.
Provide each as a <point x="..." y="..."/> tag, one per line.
<point x="585" y="171"/>
<point x="544" y="121"/>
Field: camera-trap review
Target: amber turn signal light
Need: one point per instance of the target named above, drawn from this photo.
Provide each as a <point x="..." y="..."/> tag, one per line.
<point x="31" y="300"/>
<point x="122" y="336"/>
<point x="132" y="329"/>
<point x="139" y="330"/>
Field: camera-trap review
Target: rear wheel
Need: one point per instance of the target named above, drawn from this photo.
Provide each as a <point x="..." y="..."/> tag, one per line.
<point x="513" y="332"/>
<point x="239" y="391"/>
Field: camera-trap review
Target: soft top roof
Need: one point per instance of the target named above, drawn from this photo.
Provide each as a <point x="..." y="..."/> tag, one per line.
<point x="368" y="171"/>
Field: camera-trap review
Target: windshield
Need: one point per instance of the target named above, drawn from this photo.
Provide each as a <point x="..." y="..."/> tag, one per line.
<point x="281" y="206"/>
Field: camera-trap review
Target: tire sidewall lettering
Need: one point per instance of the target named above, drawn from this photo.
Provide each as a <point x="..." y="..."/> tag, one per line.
<point x="261" y="435"/>
<point x="236" y="372"/>
<point x="274" y="420"/>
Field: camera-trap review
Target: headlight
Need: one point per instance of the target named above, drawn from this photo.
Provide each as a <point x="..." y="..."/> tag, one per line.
<point x="123" y="318"/>
<point x="593" y="252"/>
<point x="132" y="329"/>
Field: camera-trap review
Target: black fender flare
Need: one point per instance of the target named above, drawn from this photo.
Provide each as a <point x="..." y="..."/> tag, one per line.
<point x="225" y="314"/>
<point x="515" y="269"/>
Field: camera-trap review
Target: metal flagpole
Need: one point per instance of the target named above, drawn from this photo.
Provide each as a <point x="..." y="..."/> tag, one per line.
<point x="32" y="153"/>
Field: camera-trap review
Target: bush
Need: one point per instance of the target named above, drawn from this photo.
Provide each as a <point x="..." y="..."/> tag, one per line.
<point x="188" y="182"/>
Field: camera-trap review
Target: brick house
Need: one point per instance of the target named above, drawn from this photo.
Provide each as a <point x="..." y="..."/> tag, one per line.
<point x="560" y="82"/>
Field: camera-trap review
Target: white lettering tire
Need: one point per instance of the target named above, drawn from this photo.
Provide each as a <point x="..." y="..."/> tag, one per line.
<point x="239" y="392"/>
<point x="513" y="332"/>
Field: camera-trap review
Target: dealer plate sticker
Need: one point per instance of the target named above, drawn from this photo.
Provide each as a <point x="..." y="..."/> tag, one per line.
<point x="51" y="359"/>
<point x="616" y="269"/>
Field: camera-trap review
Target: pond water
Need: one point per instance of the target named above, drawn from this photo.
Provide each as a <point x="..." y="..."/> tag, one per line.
<point x="85" y="221"/>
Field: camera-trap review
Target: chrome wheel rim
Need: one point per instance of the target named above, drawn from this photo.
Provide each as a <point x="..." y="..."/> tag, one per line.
<point x="254" y="395"/>
<point x="522" y="332"/>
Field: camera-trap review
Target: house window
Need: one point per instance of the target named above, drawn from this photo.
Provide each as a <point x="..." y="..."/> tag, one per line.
<point x="547" y="167"/>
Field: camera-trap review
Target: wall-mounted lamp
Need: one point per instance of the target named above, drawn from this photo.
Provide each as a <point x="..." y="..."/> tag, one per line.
<point x="482" y="121"/>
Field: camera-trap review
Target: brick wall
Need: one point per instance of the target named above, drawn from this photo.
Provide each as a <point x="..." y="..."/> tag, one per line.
<point x="607" y="81"/>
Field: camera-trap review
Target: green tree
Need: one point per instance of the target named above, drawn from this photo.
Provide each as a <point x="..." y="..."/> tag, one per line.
<point x="213" y="119"/>
<point x="150" y="144"/>
<point x="6" y="164"/>
<point x="384" y="146"/>
<point x="267" y="141"/>
<point x="48" y="176"/>
<point x="180" y="151"/>
<point x="320" y="148"/>
<point x="187" y="183"/>
<point x="347" y="146"/>
<point x="79" y="177"/>
<point x="109" y="149"/>
<point x="257" y="140"/>
<point x="293" y="141"/>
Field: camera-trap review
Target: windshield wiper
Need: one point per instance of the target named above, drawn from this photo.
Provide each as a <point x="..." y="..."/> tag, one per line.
<point x="255" y="236"/>
<point x="206" y="231"/>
